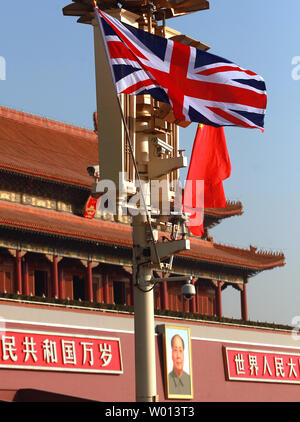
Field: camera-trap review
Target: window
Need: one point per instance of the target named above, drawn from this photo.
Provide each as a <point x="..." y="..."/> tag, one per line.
<point x="41" y="283"/>
<point x="8" y="282"/>
<point x="78" y="288"/>
<point x="119" y="292"/>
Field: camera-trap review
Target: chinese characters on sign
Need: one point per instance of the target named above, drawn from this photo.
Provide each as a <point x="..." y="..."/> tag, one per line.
<point x="261" y="365"/>
<point x="52" y="351"/>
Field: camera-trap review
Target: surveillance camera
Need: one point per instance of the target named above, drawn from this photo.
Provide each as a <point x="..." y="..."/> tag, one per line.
<point x="188" y="291"/>
<point x="93" y="170"/>
<point x="162" y="145"/>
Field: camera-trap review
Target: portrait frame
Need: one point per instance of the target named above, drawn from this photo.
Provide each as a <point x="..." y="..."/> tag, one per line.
<point x="169" y="331"/>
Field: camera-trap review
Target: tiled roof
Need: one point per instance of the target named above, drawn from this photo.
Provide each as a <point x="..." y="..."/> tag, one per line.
<point x="23" y="217"/>
<point x="232" y="208"/>
<point x="63" y="224"/>
<point x="41" y="147"/>
<point x="51" y="150"/>
<point x="228" y="255"/>
<point x="56" y="151"/>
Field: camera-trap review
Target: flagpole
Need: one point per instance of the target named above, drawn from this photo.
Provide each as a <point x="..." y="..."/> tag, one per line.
<point x="126" y="129"/>
<point x="144" y="327"/>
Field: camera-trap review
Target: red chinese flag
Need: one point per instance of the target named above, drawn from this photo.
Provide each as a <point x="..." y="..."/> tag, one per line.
<point x="209" y="163"/>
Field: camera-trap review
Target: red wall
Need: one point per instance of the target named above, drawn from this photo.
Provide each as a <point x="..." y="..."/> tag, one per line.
<point x="210" y="384"/>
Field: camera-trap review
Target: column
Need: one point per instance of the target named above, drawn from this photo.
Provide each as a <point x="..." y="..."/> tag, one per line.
<point x="19" y="271"/>
<point x="105" y="287"/>
<point x="25" y="277"/>
<point x="88" y="288"/>
<point x="193" y="300"/>
<point x="131" y="290"/>
<point x="165" y="296"/>
<point x="219" y="299"/>
<point x="89" y="282"/>
<point x="244" y="307"/>
<point x="62" y="287"/>
<point x="55" y="288"/>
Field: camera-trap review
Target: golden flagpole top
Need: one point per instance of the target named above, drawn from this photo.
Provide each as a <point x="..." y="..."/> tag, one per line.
<point x="162" y="9"/>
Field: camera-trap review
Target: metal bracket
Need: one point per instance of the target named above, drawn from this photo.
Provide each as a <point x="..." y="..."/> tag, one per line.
<point x="169" y="248"/>
<point x="158" y="167"/>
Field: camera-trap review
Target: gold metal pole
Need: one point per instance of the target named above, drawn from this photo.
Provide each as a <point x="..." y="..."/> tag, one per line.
<point x="145" y="359"/>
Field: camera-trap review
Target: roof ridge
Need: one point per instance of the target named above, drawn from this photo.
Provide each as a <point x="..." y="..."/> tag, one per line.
<point x="230" y="205"/>
<point x="207" y="243"/>
<point x="233" y="203"/>
<point x="252" y="250"/>
<point x="45" y="122"/>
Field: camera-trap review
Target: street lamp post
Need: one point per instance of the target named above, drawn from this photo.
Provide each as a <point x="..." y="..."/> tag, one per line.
<point x="148" y="252"/>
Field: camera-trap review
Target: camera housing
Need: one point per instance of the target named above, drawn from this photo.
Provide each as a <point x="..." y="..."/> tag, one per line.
<point x="162" y="146"/>
<point x="188" y="291"/>
<point x="94" y="170"/>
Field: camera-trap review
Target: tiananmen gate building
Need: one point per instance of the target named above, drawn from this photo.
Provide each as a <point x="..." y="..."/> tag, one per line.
<point x="66" y="302"/>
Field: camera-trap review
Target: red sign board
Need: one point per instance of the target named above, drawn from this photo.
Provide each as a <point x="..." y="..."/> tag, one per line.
<point x="60" y="352"/>
<point x="262" y="365"/>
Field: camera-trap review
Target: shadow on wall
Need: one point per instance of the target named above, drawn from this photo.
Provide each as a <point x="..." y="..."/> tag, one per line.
<point x="32" y="395"/>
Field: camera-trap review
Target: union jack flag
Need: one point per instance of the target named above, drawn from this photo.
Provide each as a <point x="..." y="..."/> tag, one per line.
<point x="199" y="86"/>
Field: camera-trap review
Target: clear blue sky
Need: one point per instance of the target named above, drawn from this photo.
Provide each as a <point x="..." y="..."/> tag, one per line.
<point x="50" y="72"/>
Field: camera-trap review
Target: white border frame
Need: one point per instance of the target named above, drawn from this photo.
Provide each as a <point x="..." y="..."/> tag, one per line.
<point x="63" y="369"/>
<point x="165" y="353"/>
<point x="274" y="381"/>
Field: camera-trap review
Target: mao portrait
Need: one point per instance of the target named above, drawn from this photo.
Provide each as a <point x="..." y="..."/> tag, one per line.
<point x="178" y="365"/>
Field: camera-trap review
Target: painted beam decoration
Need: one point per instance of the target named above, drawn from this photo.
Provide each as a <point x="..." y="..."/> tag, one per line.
<point x="261" y="365"/>
<point x="60" y="352"/>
